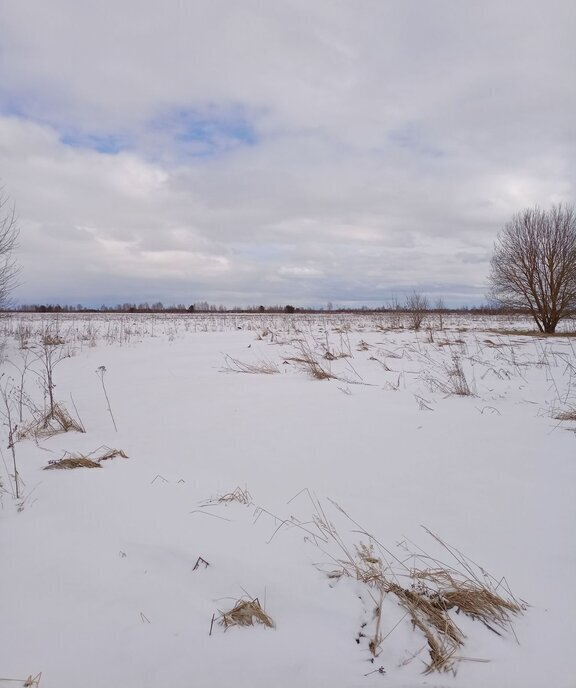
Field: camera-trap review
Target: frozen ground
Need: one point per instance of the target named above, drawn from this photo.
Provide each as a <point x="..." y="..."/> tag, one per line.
<point x="97" y="565"/>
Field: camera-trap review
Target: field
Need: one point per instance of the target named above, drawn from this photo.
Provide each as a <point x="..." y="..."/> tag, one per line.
<point x="286" y="500"/>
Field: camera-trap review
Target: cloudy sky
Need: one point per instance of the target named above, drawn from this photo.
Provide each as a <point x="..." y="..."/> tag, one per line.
<point x="278" y="151"/>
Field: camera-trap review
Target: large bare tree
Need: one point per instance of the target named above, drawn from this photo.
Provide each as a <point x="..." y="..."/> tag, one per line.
<point x="8" y="237"/>
<point x="534" y="265"/>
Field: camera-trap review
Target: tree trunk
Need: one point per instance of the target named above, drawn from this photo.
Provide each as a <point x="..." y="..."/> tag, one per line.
<point x="537" y="321"/>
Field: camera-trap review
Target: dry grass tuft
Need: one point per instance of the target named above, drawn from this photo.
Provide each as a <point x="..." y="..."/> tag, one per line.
<point x="246" y="612"/>
<point x="313" y="368"/>
<point x="452" y="380"/>
<point x="428" y="614"/>
<point x="52" y="339"/>
<point x="480" y="603"/>
<point x="261" y="368"/>
<point x="51" y="423"/>
<point x="70" y="461"/>
<point x="429" y="608"/>
<point x="238" y="494"/>
<point x="569" y="414"/>
<point x="242" y="496"/>
<point x="431" y="597"/>
<point x="109" y="453"/>
<point x="308" y="361"/>
<point x="428" y="604"/>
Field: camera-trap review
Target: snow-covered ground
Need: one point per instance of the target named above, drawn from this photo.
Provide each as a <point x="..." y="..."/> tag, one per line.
<point x="241" y="458"/>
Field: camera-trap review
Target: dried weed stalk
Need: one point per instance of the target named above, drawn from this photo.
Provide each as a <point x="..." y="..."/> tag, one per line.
<point x="8" y="415"/>
<point x="49" y="352"/>
<point x="101" y="371"/>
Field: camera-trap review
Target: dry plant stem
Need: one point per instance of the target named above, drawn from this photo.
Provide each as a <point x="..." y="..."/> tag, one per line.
<point x="101" y="371"/>
<point x="77" y="414"/>
<point x="201" y="562"/>
<point x="49" y="353"/>
<point x="21" y="374"/>
<point x="12" y="429"/>
<point x="13" y="450"/>
<point x="30" y="682"/>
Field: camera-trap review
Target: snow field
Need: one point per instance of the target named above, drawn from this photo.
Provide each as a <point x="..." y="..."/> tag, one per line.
<point x="97" y="565"/>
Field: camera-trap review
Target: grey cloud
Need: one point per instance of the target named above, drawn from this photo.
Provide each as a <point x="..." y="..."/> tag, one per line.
<point x="279" y="151"/>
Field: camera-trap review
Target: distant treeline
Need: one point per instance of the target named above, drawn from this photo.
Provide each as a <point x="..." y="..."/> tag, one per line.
<point x="204" y="307"/>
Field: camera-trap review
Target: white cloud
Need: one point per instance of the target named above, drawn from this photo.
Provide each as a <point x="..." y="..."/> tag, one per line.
<point x="291" y="151"/>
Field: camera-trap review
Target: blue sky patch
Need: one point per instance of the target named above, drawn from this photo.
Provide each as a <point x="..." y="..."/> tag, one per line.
<point x="72" y="136"/>
<point x="102" y="143"/>
<point x="207" y="131"/>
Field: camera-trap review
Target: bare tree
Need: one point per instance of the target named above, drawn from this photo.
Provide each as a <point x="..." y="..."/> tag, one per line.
<point x="534" y="265"/>
<point x="417" y="306"/>
<point x="8" y="237"/>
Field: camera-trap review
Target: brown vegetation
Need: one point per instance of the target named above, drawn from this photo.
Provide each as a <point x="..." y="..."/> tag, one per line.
<point x="245" y="613"/>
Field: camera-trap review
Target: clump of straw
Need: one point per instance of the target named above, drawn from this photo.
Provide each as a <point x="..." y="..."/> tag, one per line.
<point x="246" y="612"/>
<point x="71" y="460"/>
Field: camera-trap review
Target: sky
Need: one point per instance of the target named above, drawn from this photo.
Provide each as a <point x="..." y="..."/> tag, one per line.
<point x="247" y="152"/>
